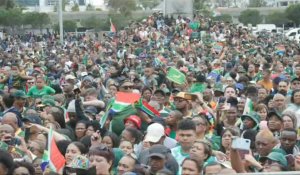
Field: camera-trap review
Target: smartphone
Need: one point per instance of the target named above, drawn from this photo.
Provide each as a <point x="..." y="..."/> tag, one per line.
<point x="226" y="106"/>
<point x="241" y="144"/>
<point x="221" y="102"/>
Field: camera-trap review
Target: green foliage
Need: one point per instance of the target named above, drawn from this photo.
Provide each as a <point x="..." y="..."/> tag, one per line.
<point x="201" y="7"/>
<point x="257" y="3"/>
<point x="125" y="7"/>
<point x="250" y="17"/>
<point x="36" y="20"/>
<point x="92" y="22"/>
<point x="7" y="4"/>
<point x="15" y="17"/>
<point x="69" y="26"/>
<point x="225" y="18"/>
<point x="75" y="8"/>
<point x="277" y="18"/>
<point x="11" y="17"/>
<point x="293" y="13"/>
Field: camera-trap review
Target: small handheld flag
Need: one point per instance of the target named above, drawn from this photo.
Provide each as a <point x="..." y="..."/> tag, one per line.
<point x="112" y="27"/>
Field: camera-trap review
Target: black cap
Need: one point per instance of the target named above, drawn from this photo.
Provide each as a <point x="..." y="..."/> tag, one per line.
<point x="276" y="113"/>
<point x="160" y="91"/>
<point x="32" y="119"/>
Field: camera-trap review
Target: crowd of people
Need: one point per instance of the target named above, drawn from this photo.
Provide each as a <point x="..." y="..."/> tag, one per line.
<point x="165" y="96"/>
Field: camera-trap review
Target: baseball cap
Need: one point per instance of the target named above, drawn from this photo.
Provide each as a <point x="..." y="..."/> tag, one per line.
<point x="154" y="132"/>
<point x="19" y="94"/>
<point x="159" y="155"/>
<point x="277" y="157"/>
<point x="91" y="110"/>
<point x="161" y="149"/>
<point x="276" y="113"/>
<point x="47" y="102"/>
<point x="218" y="87"/>
<point x="135" y="119"/>
<point x="295" y="78"/>
<point x="160" y="91"/>
<point x="88" y="78"/>
<point x="70" y="77"/>
<point x="32" y="119"/>
<point x="185" y="95"/>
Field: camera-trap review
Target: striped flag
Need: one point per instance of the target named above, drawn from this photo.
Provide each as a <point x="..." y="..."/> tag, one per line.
<point x="280" y="49"/>
<point x="124" y="99"/>
<point x="52" y="157"/>
<point x="146" y="108"/>
<point x="248" y="106"/>
<point x="45" y="160"/>
<point x="112" y="27"/>
<point x="120" y="108"/>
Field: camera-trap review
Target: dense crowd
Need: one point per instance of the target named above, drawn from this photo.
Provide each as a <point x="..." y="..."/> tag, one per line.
<point x="164" y="96"/>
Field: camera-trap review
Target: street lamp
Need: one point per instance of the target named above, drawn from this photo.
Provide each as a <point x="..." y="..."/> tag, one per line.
<point x="60" y="17"/>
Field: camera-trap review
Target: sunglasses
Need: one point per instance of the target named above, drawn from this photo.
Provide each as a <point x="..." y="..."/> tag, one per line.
<point x="179" y="100"/>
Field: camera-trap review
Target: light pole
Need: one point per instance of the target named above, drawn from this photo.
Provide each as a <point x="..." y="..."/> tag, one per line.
<point x="165" y="7"/>
<point x="60" y="17"/>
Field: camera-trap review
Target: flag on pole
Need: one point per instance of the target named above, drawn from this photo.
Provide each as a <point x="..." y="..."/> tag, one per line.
<point x="120" y="108"/>
<point x="112" y="27"/>
<point x="45" y="160"/>
<point x="53" y="157"/>
<point x="124" y="99"/>
<point x="280" y="49"/>
<point x="146" y="108"/>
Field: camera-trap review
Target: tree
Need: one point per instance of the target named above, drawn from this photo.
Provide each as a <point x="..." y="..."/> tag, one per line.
<point x="225" y="18"/>
<point x="14" y="17"/>
<point x="92" y="22"/>
<point x="201" y="7"/>
<point x="277" y="18"/>
<point x="75" y="8"/>
<point x="293" y="13"/>
<point x="36" y="20"/>
<point x="124" y="6"/>
<point x="69" y="26"/>
<point x="250" y="17"/>
<point x="257" y="3"/>
<point x="7" y="4"/>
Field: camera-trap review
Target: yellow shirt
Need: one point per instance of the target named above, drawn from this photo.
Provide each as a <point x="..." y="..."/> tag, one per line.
<point x="267" y="85"/>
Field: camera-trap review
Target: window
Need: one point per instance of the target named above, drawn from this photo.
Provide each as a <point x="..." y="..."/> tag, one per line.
<point x="28" y="2"/>
<point x="293" y="34"/>
<point x="51" y="2"/>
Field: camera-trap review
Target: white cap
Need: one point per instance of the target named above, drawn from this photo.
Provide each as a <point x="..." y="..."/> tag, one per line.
<point x="70" y="77"/>
<point x="154" y="132"/>
<point x="83" y="74"/>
